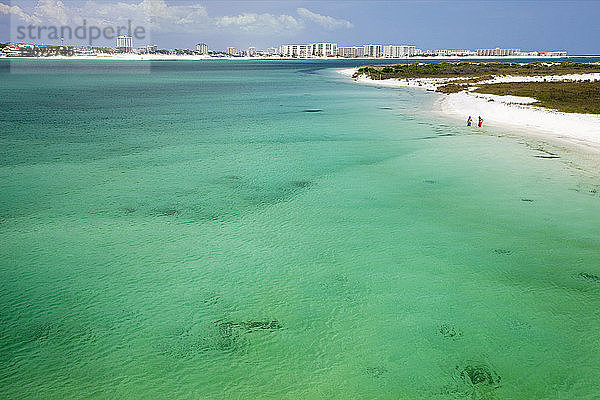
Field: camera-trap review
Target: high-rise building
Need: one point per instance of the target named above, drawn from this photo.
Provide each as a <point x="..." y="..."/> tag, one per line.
<point x="232" y="51"/>
<point x="351" y="52"/>
<point x="296" y="50"/>
<point x="124" y="44"/>
<point x="392" y="51"/>
<point x="372" y="50"/>
<point x="202" y="48"/>
<point x="251" y="51"/>
<point x="324" y="49"/>
<point x="498" y="52"/>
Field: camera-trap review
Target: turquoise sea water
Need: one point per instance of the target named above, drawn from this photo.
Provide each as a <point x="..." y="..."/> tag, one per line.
<point x="188" y="230"/>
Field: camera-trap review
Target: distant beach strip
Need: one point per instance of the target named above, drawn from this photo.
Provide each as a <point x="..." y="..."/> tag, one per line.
<point x="504" y="110"/>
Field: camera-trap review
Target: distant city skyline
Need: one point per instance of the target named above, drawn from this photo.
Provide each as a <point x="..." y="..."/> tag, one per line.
<point x="528" y="25"/>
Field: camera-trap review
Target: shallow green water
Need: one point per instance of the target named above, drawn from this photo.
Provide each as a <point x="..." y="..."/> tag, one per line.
<point x="185" y="229"/>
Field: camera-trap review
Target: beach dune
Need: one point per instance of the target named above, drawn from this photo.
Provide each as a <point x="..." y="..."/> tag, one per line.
<point x="514" y="112"/>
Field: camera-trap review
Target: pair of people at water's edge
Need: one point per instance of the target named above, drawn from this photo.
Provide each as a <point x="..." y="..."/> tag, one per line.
<point x="470" y="120"/>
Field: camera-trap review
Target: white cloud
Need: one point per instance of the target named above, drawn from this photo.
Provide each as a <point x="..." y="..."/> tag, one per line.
<point x="16" y="11"/>
<point x="260" y="23"/>
<point x="154" y="14"/>
<point x="326" y="22"/>
<point x="160" y="17"/>
<point x="52" y="12"/>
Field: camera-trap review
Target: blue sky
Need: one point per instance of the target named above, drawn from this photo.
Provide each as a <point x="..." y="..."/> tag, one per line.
<point x="528" y="25"/>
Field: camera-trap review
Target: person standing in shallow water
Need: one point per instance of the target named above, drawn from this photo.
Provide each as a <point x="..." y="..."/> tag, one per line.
<point x="469" y="120"/>
<point x="480" y="122"/>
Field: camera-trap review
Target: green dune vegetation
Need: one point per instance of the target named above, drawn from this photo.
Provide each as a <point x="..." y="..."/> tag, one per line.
<point x="477" y="70"/>
<point x="571" y="96"/>
<point x="575" y="97"/>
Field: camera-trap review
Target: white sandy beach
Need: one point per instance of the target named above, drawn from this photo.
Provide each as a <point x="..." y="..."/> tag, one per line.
<point x="508" y="111"/>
